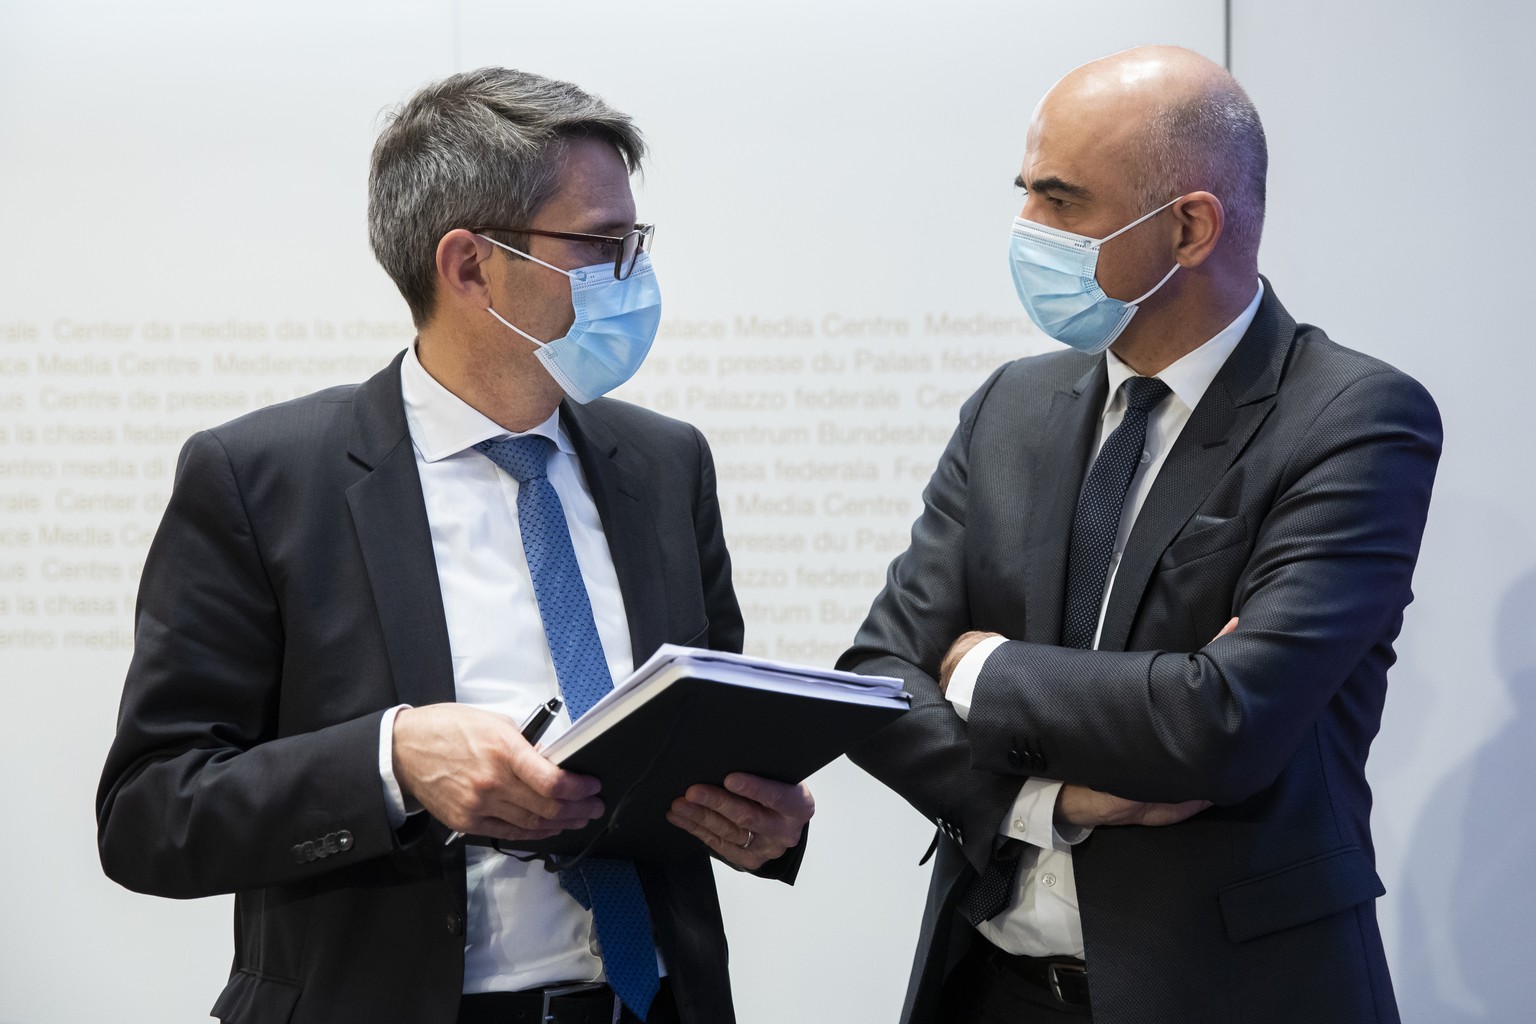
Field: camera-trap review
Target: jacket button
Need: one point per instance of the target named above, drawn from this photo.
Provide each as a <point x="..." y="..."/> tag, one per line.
<point x="1015" y="759"/>
<point x="298" y="853"/>
<point x="343" y="840"/>
<point x="455" y="923"/>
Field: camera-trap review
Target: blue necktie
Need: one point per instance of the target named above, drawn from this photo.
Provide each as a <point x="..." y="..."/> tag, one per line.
<point x="609" y="888"/>
<point x="1095" y="525"/>
<point x="1100" y="507"/>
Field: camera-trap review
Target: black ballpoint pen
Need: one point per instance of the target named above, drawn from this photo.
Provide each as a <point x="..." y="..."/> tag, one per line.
<point x="538" y="722"/>
<point x="533" y="731"/>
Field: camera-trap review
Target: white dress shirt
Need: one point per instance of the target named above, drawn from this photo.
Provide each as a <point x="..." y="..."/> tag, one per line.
<point x="1042" y="919"/>
<point x="522" y="930"/>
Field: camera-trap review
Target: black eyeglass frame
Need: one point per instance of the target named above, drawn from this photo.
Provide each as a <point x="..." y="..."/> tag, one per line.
<point x="627" y="247"/>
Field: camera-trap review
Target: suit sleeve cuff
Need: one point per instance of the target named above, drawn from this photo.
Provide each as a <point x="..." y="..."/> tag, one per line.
<point x="962" y="682"/>
<point x="396" y="804"/>
<point x="1032" y="818"/>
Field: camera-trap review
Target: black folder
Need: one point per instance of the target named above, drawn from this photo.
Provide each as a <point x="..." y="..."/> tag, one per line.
<point x="692" y="716"/>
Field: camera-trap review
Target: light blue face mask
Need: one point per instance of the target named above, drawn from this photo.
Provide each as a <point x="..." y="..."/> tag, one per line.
<point x="616" y="322"/>
<point x="1054" y="272"/>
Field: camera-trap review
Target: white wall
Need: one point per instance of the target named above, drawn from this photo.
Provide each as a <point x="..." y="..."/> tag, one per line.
<point x="194" y="175"/>
<point x="1401" y="216"/>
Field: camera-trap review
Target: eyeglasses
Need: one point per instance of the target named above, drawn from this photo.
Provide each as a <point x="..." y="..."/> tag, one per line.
<point x="626" y="248"/>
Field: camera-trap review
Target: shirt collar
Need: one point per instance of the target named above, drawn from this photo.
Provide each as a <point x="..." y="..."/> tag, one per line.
<point x="442" y="424"/>
<point x="1192" y="373"/>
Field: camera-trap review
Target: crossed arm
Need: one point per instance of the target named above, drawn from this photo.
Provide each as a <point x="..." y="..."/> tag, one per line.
<point x="1079" y="806"/>
<point x="1337" y="524"/>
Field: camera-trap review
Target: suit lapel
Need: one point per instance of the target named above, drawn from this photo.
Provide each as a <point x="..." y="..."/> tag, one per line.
<point x="390" y="517"/>
<point x="1057" y="469"/>
<point x="616" y="475"/>
<point x="1233" y="407"/>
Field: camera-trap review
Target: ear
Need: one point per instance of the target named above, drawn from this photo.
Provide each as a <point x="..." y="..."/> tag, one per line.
<point x="1201" y="219"/>
<point x="461" y="267"/>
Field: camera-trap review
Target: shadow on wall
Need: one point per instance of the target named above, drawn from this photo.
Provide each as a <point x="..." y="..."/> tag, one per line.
<point x="1468" y="902"/>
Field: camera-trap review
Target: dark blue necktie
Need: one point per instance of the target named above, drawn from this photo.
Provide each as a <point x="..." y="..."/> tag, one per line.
<point x="1100" y="507"/>
<point x="1094" y="528"/>
<point x="609" y="888"/>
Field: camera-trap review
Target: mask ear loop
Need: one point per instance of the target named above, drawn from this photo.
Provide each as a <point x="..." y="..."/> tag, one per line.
<point x="512" y="326"/>
<point x="1138" y="220"/>
<point x="527" y="256"/>
<point x="1144" y="298"/>
<point x="1112" y="234"/>
<point x="567" y="273"/>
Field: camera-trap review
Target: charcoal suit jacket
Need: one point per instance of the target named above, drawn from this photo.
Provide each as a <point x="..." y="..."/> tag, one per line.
<point x="290" y="597"/>
<point x="1294" y="498"/>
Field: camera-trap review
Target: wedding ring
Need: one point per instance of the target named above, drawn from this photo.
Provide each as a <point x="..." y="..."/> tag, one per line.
<point x="750" y="836"/>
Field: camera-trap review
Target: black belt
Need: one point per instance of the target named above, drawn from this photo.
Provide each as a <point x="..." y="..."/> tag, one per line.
<point x="1064" y="977"/>
<point x="558" y="1004"/>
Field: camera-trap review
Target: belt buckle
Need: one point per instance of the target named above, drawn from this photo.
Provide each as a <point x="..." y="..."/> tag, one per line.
<point x="1077" y="986"/>
<point x="570" y="990"/>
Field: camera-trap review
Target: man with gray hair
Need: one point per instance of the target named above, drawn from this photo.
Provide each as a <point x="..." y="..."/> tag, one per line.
<point x="355" y="598"/>
<point x="1148" y="609"/>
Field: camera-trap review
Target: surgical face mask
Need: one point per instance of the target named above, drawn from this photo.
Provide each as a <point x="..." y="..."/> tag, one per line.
<point x="616" y="321"/>
<point x="1054" y="273"/>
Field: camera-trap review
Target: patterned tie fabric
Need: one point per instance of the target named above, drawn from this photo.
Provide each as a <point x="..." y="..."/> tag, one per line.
<point x="609" y="888"/>
<point x="1099" y="510"/>
<point x="1094" y="528"/>
<point x="992" y="890"/>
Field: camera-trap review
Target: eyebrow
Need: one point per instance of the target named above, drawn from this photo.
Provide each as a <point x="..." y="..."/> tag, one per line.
<point x="1054" y="184"/>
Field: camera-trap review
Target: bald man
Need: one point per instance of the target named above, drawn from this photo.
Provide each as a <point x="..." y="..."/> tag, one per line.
<point x="1148" y="608"/>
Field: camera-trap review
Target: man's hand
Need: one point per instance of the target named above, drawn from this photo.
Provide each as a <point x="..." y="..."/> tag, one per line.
<point x="748" y="823"/>
<point x="957" y="650"/>
<point x="1087" y="808"/>
<point x="473" y="771"/>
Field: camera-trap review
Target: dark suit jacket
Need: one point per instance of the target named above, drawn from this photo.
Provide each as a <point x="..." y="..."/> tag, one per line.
<point x="290" y="596"/>
<point x="1295" y="498"/>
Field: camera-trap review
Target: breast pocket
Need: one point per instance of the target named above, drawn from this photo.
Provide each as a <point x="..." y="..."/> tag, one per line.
<point x="1195" y="585"/>
<point x="1205" y="536"/>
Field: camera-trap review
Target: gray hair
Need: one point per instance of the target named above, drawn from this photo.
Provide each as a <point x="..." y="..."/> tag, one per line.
<point x="478" y="148"/>
<point x="1212" y="143"/>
